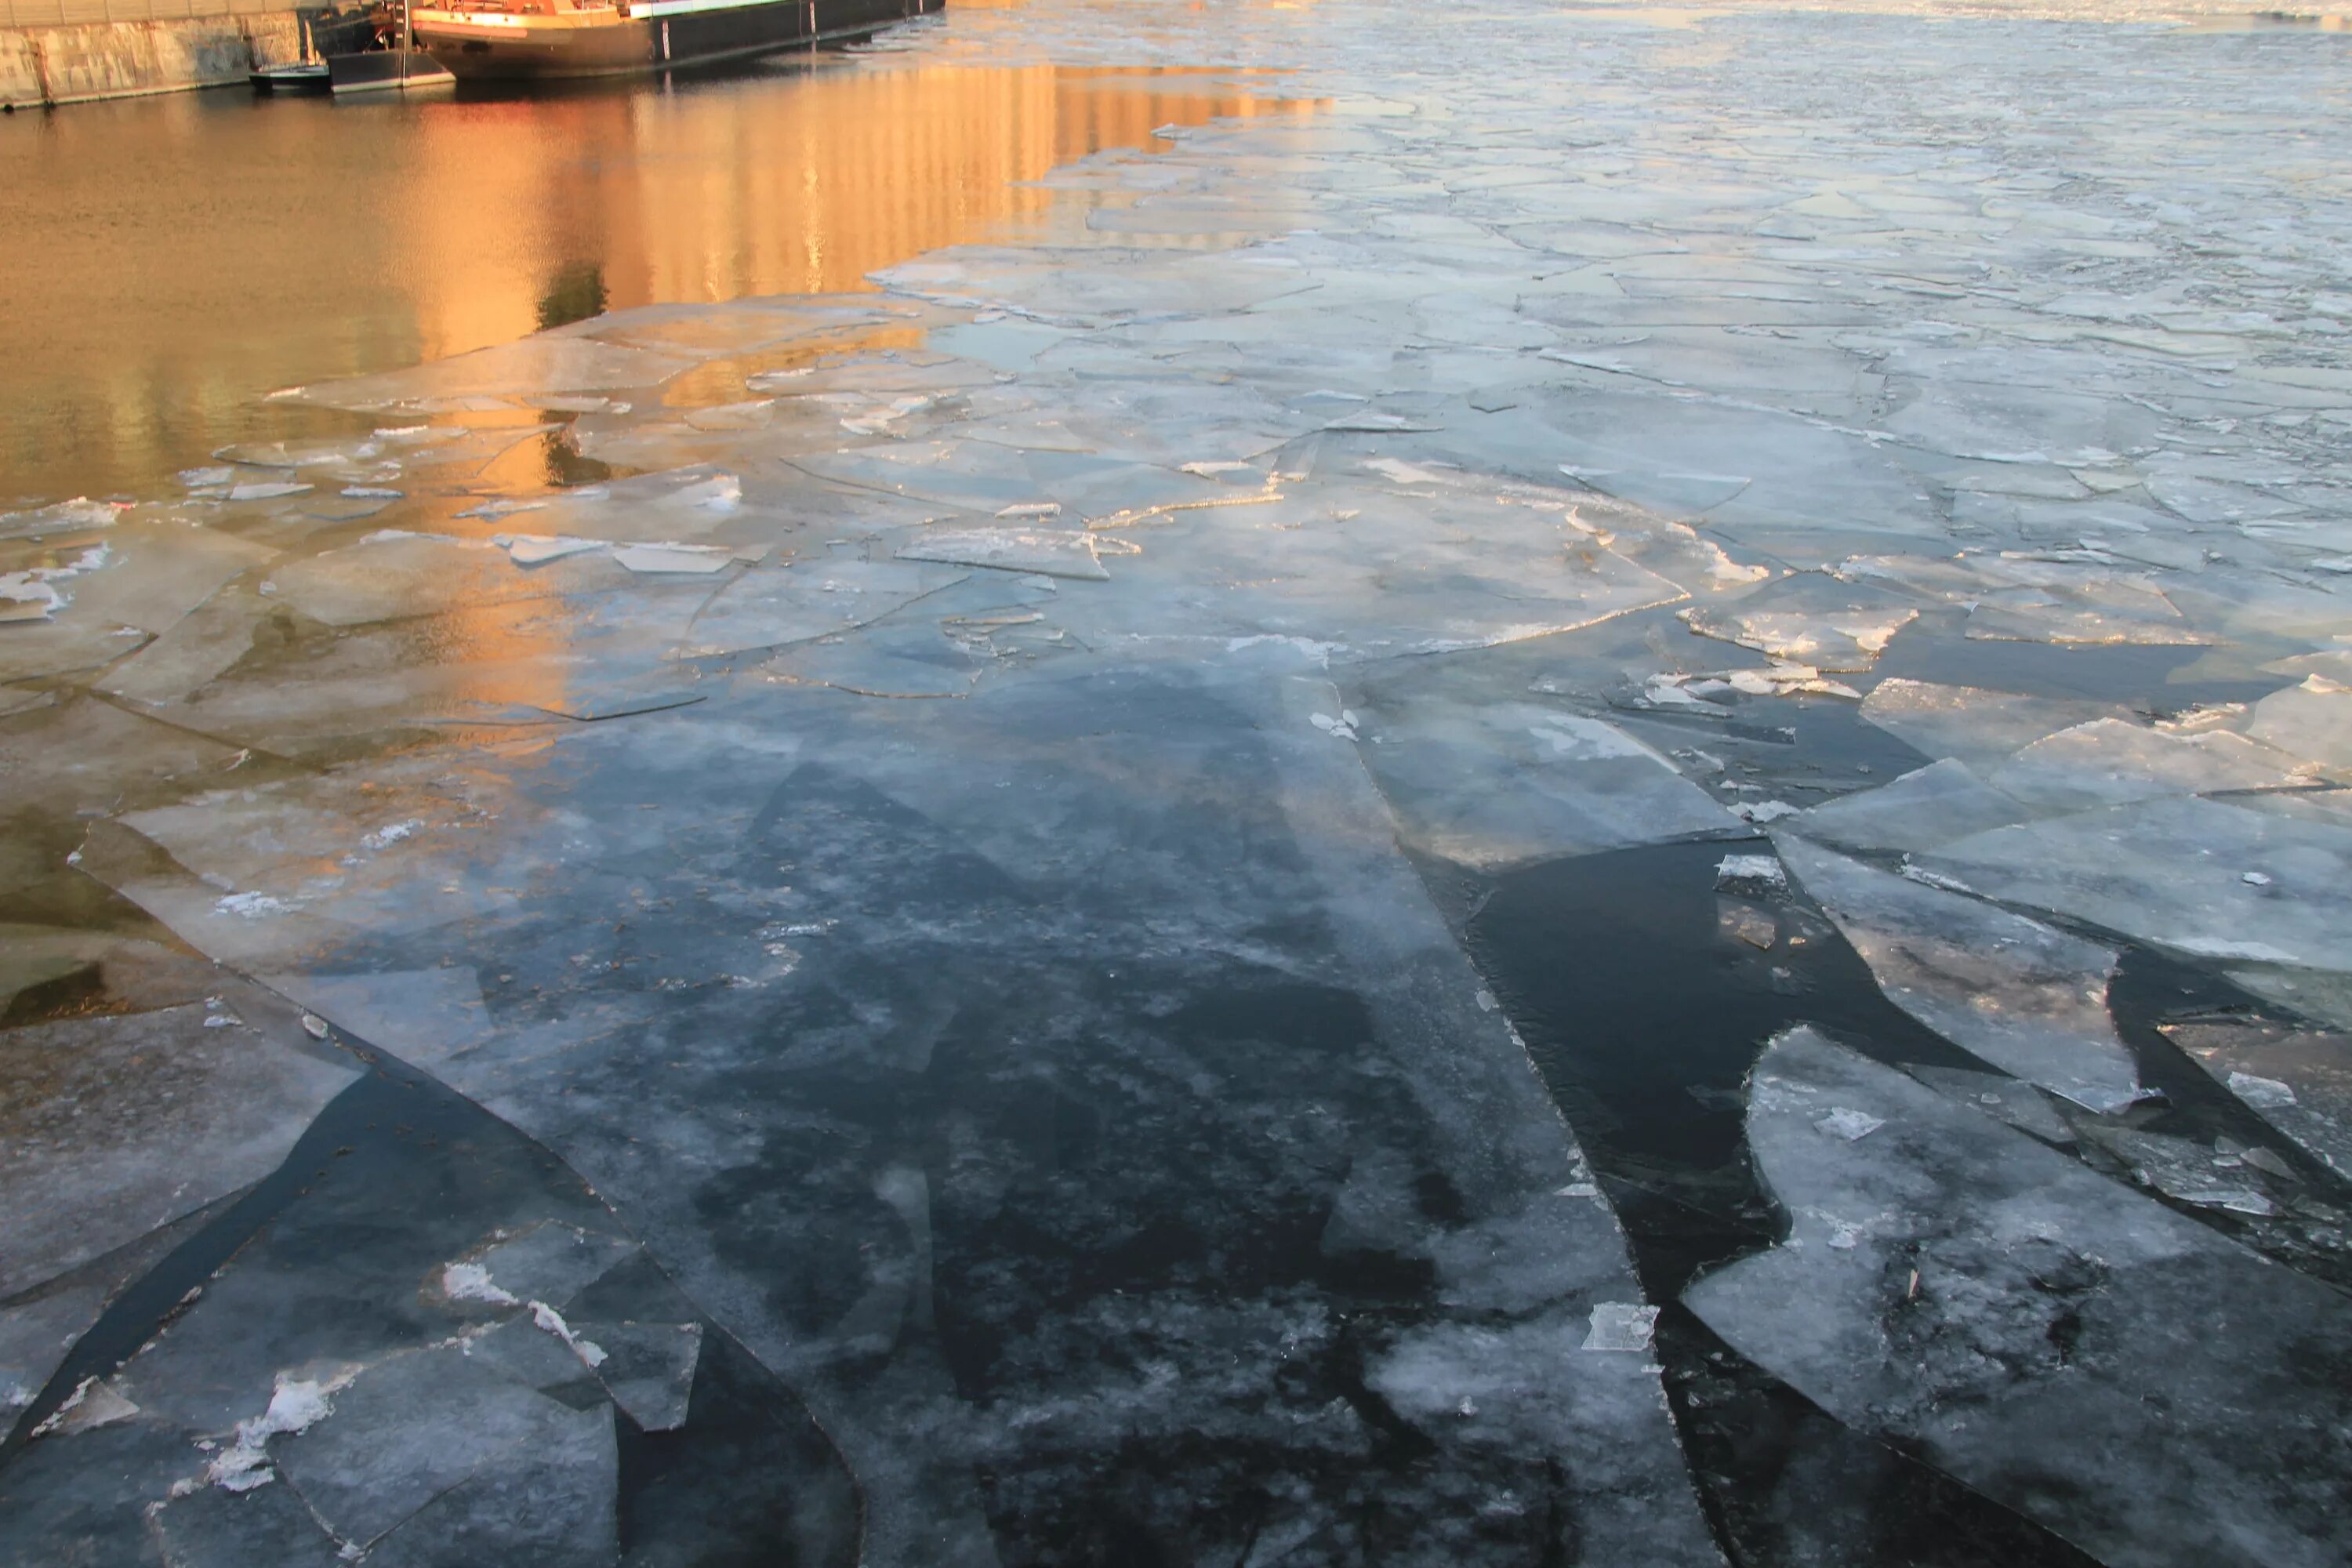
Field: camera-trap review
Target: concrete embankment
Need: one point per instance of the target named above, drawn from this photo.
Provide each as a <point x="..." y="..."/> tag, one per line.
<point x="77" y="61"/>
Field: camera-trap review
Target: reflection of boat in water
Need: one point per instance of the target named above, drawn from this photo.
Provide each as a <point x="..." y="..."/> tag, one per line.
<point x="511" y="39"/>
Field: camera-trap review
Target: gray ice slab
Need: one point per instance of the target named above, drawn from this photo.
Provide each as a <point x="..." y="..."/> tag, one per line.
<point x="2313" y="719"/>
<point x="1925" y="807"/>
<point x="2011" y="597"/>
<point x="2001" y="1098"/>
<point x="648" y="1368"/>
<point x="1839" y="640"/>
<point x="1977" y="726"/>
<point x="417" y="1425"/>
<point x="2298" y="1081"/>
<point x="861" y="849"/>
<point x="213" y="1528"/>
<point x="2011" y="991"/>
<point x="2211" y="1176"/>
<point x="392" y="574"/>
<point x="2109" y="761"/>
<point x="771" y="605"/>
<point x="548" y="1501"/>
<point x="148" y="574"/>
<point x="1055" y="552"/>
<point x="1949" y="1284"/>
<point x="550" y="1263"/>
<point x="533" y="1356"/>
<point x="39" y="1326"/>
<point x="532" y="367"/>
<point x="423" y="1017"/>
<point x="1506" y="782"/>
<point x="2198" y="876"/>
<point x="119" y="1125"/>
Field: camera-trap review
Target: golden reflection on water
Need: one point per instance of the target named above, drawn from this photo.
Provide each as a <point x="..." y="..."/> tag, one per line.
<point x="168" y="260"/>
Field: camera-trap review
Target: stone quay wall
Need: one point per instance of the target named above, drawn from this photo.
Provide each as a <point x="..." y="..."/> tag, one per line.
<point x="73" y="51"/>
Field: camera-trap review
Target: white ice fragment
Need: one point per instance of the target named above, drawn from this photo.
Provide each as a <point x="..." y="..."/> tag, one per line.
<point x="1849" y="1124"/>
<point x="1211" y="470"/>
<point x="1621" y="1326"/>
<point x="502" y="508"/>
<point x="1402" y="472"/>
<point x="1764" y="810"/>
<point x="530" y="549"/>
<point x="92" y="1403"/>
<point x="2261" y="1093"/>
<point x="252" y="906"/>
<point x="65" y="516"/>
<point x="200" y="479"/>
<point x="314" y="1026"/>
<point x="472" y="1282"/>
<point x="24" y="596"/>
<point x="296" y="1405"/>
<point x="1750" y="874"/>
<point x="392" y="833"/>
<point x="370" y="492"/>
<point x="267" y="489"/>
<point x="1339" y="729"/>
<point x="547" y="1318"/>
<point x="699" y="559"/>
<point x="1033" y="509"/>
<point x="2254" y="878"/>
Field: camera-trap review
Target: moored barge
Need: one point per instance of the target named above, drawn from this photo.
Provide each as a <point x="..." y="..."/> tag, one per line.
<point x="510" y="40"/>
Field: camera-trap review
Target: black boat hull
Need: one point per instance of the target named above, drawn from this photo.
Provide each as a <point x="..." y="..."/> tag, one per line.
<point x="522" y="48"/>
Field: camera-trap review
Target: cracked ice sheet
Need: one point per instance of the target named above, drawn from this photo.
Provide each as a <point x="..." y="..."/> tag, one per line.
<point x="148" y="575"/>
<point x="2109" y="761"/>
<point x="118" y="1125"/>
<point x="2202" y="878"/>
<point x="1976" y="726"/>
<point x="1366" y="570"/>
<point x="2011" y="991"/>
<point x="792" y="602"/>
<point x="532" y="367"/>
<point x="1494" y="784"/>
<point x="2052" y="1309"/>
<point x="1184" y="900"/>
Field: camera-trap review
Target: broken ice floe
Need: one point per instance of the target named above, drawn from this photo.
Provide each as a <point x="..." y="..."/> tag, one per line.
<point x="1838" y="640"/>
<point x="124" y="1124"/>
<point x="2030" y="1000"/>
<point x="1951" y="1284"/>
<point x="2108" y="761"/>
<point x="1621" y="1326"/>
<point x="1930" y="806"/>
<point x="2298" y="1081"/>
<point x="1499" y="783"/>
<point x="1977" y="727"/>
<point x="1052" y="554"/>
<point x="2170" y="871"/>
<point x="1756" y="875"/>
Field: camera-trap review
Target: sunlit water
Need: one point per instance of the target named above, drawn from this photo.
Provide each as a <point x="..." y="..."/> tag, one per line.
<point x="165" y="262"/>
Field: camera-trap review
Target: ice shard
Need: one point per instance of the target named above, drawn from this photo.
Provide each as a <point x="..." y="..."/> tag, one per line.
<point x="2030" y="1000"/>
<point x="1951" y="1284"/>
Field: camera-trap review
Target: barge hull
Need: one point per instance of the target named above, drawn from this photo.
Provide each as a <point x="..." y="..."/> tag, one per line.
<point x="531" y="48"/>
